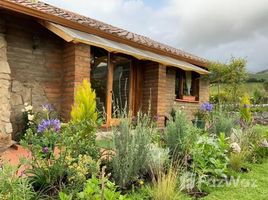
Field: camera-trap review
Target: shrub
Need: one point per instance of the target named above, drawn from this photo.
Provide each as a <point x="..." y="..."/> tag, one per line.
<point x="222" y="123"/>
<point x="158" y="158"/>
<point x="237" y="160"/>
<point x="131" y="150"/>
<point x="180" y="135"/>
<point x="210" y="156"/>
<point x="80" y="138"/>
<point x="12" y="186"/>
<point x="245" y="109"/>
<point x="96" y="189"/>
<point x="84" y="107"/>
<point x="252" y="142"/>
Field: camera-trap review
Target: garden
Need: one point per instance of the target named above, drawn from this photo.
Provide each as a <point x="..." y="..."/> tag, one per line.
<point x="222" y="153"/>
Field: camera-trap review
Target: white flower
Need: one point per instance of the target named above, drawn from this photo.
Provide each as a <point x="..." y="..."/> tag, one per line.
<point x="26" y="104"/>
<point x="264" y="143"/>
<point x="29" y="108"/>
<point x="30" y="117"/>
<point x="23" y="110"/>
<point x="235" y="147"/>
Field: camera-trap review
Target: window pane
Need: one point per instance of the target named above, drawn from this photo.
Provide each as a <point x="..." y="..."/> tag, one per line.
<point x="121" y="83"/>
<point x="98" y="77"/>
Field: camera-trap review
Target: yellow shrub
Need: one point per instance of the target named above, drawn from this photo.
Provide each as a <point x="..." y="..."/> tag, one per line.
<point x="245" y="109"/>
<point x="84" y="107"/>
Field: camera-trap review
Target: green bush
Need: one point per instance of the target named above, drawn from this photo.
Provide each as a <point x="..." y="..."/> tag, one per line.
<point x="222" y="123"/>
<point x="252" y="143"/>
<point x="180" y="135"/>
<point x="96" y="189"/>
<point x="131" y="150"/>
<point x="13" y="187"/>
<point x="210" y="157"/>
<point x="80" y="138"/>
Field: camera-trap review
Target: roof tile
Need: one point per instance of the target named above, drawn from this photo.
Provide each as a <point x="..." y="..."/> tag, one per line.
<point x="103" y="27"/>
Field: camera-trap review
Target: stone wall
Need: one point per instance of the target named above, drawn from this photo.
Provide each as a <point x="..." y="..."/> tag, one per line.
<point x="5" y="87"/>
<point x="35" y="58"/>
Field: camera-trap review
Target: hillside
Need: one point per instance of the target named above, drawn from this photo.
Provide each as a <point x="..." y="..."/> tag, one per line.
<point x="259" y="76"/>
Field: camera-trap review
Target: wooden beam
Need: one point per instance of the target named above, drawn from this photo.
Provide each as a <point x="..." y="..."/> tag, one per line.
<point x="109" y="91"/>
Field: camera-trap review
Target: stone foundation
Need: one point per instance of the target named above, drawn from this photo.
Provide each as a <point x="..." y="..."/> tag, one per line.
<point x="5" y="88"/>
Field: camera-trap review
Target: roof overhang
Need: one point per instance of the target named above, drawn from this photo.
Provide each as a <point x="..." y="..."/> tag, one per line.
<point x="39" y="14"/>
<point x="72" y="35"/>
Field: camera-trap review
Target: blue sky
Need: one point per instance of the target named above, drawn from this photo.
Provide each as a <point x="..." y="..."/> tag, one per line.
<point x="214" y="29"/>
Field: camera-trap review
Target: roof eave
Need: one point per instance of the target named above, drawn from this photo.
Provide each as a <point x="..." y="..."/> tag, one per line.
<point x="71" y="24"/>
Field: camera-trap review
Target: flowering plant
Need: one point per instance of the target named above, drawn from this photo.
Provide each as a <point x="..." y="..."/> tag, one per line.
<point x="204" y="111"/>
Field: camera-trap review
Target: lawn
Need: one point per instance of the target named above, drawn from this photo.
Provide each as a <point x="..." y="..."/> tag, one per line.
<point x="258" y="173"/>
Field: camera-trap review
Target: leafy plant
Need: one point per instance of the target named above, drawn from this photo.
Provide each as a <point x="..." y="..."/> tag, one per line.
<point x="80" y="138"/>
<point x="12" y="186"/>
<point x="131" y="151"/>
<point x="210" y="157"/>
<point x="97" y="189"/>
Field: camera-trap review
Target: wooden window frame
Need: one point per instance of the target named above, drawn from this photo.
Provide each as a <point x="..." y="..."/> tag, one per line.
<point x="109" y="93"/>
<point x="179" y="92"/>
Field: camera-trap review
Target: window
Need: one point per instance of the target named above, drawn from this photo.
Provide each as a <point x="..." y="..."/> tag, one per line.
<point x="187" y="85"/>
<point x="98" y="77"/>
<point x="121" y="84"/>
<point x="110" y="77"/>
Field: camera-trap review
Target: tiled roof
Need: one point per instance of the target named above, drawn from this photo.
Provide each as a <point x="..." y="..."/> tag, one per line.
<point x="103" y="27"/>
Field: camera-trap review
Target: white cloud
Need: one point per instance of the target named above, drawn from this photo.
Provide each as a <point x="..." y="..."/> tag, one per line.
<point x="215" y="29"/>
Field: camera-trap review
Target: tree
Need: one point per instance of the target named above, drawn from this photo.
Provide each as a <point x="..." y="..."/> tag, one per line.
<point x="233" y="73"/>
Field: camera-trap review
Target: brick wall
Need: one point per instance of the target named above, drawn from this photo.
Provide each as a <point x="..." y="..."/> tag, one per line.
<point x="154" y="89"/>
<point x="76" y="67"/>
<point x="159" y="89"/>
<point x="188" y="107"/>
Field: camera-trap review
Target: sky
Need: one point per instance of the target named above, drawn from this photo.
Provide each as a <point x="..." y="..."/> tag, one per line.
<point x="213" y="29"/>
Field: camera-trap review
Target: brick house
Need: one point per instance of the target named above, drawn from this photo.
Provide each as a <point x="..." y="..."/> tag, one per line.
<point x="46" y="51"/>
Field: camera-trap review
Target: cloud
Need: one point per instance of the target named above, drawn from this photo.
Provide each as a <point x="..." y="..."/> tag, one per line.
<point x="214" y="29"/>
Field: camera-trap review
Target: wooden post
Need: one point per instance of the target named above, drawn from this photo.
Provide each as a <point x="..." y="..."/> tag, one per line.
<point x="109" y="96"/>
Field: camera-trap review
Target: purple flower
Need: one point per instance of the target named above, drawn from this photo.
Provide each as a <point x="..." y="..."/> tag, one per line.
<point x="53" y="124"/>
<point x="45" y="149"/>
<point x="206" y="107"/>
<point x="47" y="107"/>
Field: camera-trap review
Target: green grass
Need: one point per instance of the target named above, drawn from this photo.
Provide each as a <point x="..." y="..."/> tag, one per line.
<point x="258" y="173"/>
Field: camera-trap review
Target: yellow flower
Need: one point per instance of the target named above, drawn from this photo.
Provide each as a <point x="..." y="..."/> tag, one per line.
<point x="141" y="182"/>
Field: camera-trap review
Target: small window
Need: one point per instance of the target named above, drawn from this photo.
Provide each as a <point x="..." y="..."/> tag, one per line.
<point x="187" y="85"/>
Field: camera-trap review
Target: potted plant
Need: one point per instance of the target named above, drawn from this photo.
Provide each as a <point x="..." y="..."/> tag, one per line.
<point x="202" y="115"/>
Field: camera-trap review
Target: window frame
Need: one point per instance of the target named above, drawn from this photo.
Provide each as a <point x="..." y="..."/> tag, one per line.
<point x="180" y="78"/>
